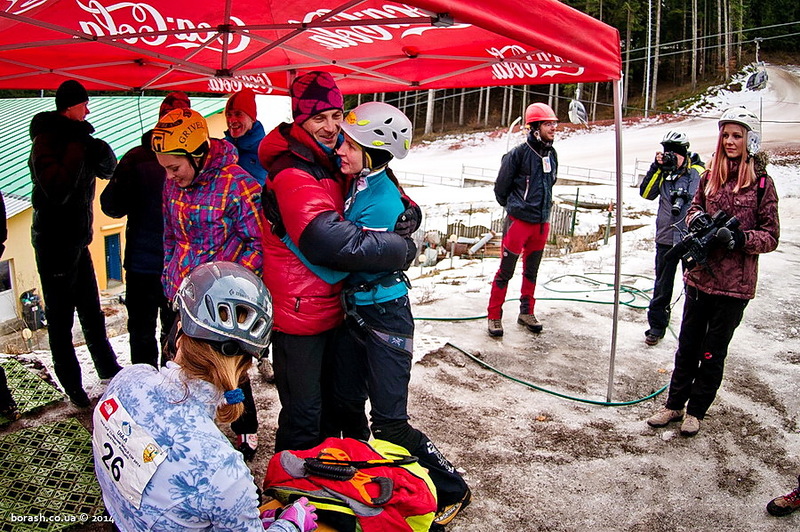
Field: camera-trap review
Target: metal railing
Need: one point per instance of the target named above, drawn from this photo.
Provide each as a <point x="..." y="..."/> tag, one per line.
<point x="479" y="176"/>
<point x="414" y="178"/>
<point x="574" y="173"/>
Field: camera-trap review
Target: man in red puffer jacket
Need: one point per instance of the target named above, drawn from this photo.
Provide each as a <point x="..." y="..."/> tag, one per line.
<point x="304" y="202"/>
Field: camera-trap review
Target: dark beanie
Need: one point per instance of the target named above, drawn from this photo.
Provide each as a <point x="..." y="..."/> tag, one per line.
<point x="174" y="100"/>
<point x="314" y="93"/>
<point x="244" y="101"/>
<point x="70" y="93"/>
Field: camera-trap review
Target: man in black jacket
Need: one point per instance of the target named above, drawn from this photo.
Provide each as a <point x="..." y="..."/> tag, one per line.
<point x="64" y="162"/>
<point x="136" y="191"/>
<point x="524" y="187"/>
<point x="673" y="178"/>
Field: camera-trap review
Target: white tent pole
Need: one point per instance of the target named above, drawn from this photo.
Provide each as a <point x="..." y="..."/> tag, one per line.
<point x="618" y="255"/>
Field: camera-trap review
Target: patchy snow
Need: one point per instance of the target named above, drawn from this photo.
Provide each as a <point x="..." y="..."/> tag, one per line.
<point x="540" y="462"/>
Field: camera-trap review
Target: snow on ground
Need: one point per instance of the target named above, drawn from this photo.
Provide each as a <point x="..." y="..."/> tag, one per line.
<point x="540" y="462"/>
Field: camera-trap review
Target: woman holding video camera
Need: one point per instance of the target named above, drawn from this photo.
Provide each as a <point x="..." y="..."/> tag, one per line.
<point x="719" y="288"/>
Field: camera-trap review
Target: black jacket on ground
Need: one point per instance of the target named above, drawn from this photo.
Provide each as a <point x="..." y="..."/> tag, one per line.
<point x="135" y="191"/>
<point x="64" y="162"/>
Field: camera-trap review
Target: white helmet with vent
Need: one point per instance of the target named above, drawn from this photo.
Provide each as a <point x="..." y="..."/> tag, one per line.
<point x="379" y="126"/>
<point x="748" y="120"/>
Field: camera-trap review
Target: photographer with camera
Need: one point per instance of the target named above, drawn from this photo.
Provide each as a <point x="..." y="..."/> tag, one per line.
<point x="673" y="179"/>
<point x="737" y="185"/>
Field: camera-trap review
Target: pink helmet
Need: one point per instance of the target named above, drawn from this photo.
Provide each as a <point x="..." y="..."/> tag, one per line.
<point x="539" y="112"/>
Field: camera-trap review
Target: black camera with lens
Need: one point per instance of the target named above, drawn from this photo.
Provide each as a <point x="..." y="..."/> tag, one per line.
<point x="678" y="197"/>
<point x="669" y="161"/>
<point x="705" y="234"/>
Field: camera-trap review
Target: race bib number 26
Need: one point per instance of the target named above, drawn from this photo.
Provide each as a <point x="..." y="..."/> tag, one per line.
<point x="126" y="450"/>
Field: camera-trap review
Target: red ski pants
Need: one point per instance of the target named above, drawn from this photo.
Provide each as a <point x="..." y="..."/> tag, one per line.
<point x="528" y="240"/>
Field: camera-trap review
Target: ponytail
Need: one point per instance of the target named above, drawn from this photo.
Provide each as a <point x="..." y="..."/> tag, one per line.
<point x="200" y="360"/>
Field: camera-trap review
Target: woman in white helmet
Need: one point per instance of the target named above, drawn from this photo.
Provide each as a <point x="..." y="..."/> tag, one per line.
<point x="160" y="459"/>
<point x="376" y="356"/>
<point x="721" y="284"/>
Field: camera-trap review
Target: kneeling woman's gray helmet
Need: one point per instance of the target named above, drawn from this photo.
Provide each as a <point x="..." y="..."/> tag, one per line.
<point x="226" y="304"/>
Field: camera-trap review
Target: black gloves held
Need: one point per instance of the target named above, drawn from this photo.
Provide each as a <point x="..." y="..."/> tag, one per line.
<point x="738" y="238"/>
<point x="410" y="219"/>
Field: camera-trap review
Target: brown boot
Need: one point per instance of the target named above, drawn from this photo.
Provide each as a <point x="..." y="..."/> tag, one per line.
<point x="530" y="321"/>
<point x="495" y="328"/>
<point x="664" y="417"/>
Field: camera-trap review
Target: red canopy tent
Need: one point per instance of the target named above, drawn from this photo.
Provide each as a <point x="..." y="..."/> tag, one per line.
<point x="369" y="46"/>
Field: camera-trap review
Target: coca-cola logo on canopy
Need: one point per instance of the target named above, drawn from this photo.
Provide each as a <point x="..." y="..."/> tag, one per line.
<point x="544" y="64"/>
<point x="132" y="18"/>
<point x="345" y="37"/>
<point x="18" y="7"/>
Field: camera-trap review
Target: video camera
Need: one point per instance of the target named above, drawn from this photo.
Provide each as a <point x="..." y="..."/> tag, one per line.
<point x="705" y="233"/>
<point x="678" y="197"/>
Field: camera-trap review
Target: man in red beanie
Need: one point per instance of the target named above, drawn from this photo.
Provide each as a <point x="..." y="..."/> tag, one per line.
<point x="245" y="132"/>
<point x="65" y="161"/>
<point x="304" y="201"/>
<point x="135" y="191"/>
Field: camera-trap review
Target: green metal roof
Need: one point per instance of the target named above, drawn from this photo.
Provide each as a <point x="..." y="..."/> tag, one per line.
<point x="119" y="120"/>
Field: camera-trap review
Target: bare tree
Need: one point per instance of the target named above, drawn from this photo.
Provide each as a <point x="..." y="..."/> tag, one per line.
<point x="461" y="107"/>
<point x="727" y="29"/>
<point x="429" y="112"/>
<point x="656" y="51"/>
<point x="719" y="32"/>
<point x="694" y="44"/>
<point x="505" y="103"/>
<point x="480" y="104"/>
<point x="486" y="111"/>
<point x="627" y="54"/>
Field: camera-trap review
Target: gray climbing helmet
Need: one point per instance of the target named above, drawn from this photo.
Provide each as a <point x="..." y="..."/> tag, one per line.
<point x="380" y="126"/>
<point x="226" y="303"/>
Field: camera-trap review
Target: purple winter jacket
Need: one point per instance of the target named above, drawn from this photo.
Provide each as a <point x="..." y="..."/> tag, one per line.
<point x="734" y="273"/>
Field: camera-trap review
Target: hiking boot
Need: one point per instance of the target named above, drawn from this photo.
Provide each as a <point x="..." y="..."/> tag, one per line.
<point x="495" y="328"/>
<point x="79" y="398"/>
<point x="530" y="321"/>
<point x="448" y="513"/>
<point x="247" y="445"/>
<point x="785" y="504"/>
<point x="652" y="337"/>
<point x="690" y="426"/>
<point x="664" y="417"/>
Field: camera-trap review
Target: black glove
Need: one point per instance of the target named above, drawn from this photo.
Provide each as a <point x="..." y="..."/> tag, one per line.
<point x="738" y="238"/>
<point x="411" y="253"/>
<point x="699" y="222"/>
<point x="410" y="219"/>
<point x="270" y="205"/>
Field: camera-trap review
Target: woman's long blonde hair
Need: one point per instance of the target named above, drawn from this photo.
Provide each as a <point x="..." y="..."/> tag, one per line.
<point x="720" y="165"/>
<point x="200" y="360"/>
